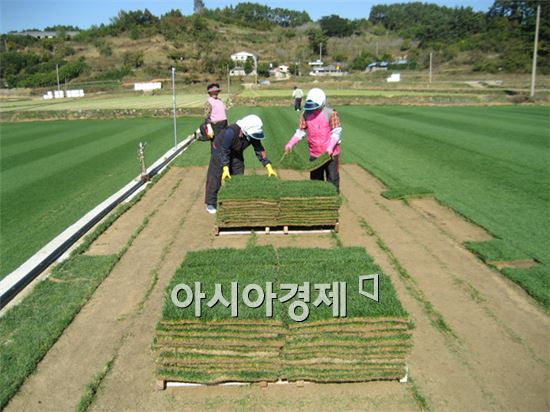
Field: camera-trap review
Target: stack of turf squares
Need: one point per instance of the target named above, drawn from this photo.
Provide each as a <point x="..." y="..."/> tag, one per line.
<point x="256" y="201"/>
<point x="293" y="160"/>
<point x="367" y="340"/>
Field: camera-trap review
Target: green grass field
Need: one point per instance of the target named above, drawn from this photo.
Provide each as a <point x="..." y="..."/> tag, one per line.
<point x="356" y="93"/>
<point x="104" y="102"/>
<point x="491" y="164"/>
<point x="52" y="173"/>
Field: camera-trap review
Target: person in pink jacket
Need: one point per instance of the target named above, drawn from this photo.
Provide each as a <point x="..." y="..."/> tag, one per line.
<point x="322" y="125"/>
<point x="214" y="109"/>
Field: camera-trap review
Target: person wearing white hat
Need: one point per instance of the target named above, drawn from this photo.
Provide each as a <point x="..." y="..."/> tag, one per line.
<point x="227" y="155"/>
<point x="322" y="125"/>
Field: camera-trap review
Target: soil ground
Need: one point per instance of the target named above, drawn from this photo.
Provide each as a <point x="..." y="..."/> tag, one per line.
<point x="487" y="348"/>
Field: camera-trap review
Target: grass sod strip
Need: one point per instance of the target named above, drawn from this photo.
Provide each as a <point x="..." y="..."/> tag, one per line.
<point x="223" y="349"/>
<point x="231" y="258"/>
<point x="496" y="250"/>
<point x="407" y="192"/>
<point x="535" y="280"/>
<point x="293" y="160"/>
<point x="262" y="187"/>
<point x="29" y="329"/>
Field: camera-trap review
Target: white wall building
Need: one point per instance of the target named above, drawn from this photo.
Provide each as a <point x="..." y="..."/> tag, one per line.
<point x="146" y="87"/>
<point x="240" y="59"/>
<point x="280" y="72"/>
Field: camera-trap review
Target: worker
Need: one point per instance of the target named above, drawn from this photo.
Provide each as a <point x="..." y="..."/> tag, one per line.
<point x="214" y="110"/>
<point x="227" y="155"/>
<point x="297" y="94"/>
<point x="322" y="125"/>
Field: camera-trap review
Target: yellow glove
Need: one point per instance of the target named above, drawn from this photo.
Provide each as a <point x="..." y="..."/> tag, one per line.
<point x="225" y="174"/>
<point x="270" y="171"/>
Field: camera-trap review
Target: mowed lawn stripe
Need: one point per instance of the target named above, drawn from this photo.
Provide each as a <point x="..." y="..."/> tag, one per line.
<point x="522" y="136"/>
<point x="62" y="141"/>
<point x="98" y="146"/>
<point x="43" y="196"/>
<point x="506" y="197"/>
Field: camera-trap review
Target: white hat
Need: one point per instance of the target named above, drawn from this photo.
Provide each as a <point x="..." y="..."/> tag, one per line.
<point x="316" y="98"/>
<point x="252" y="126"/>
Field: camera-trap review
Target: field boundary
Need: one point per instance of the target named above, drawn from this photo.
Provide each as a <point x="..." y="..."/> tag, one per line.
<point x="17" y="280"/>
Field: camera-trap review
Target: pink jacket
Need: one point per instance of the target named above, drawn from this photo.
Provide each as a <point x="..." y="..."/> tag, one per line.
<point x="319" y="134"/>
<point x="218" y="110"/>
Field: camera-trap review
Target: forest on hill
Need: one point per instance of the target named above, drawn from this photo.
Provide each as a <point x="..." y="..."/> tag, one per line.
<point x="139" y="44"/>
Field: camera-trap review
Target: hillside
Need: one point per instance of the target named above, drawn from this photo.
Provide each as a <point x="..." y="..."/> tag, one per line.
<point x="139" y="45"/>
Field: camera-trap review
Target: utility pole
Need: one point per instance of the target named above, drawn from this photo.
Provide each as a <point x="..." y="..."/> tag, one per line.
<point x="57" y="73"/>
<point x="321" y="51"/>
<point x="431" y="59"/>
<point x="174" y="103"/>
<point x="255" y="70"/>
<point x="377" y="49"/>
<point x="534" y="71"/>
<point x="228" y="82"/>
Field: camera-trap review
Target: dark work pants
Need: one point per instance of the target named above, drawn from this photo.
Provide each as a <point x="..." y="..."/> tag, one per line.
<point x="297" y="104"/>
<point x="214" y="175"/>
<point x="330" y="170"/>
<point x="219" y="126"/>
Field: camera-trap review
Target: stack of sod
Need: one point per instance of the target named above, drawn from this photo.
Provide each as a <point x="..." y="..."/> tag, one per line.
<point x="369" y="344"/>
<point x="256" y="201"/>
<point x="293" y="160"/>
<point x="217" y="347"/>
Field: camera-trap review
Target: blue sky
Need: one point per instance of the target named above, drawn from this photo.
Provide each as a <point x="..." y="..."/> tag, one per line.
<point x="22" y="14"/>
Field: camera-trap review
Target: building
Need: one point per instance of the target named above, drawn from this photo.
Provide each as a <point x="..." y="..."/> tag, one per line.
<point x="240" y="59"/>
<point x="334" y="70"/>
<point x="376" y="66"/>
<point x="280" y="72"/>
<point x="316" y="63"/>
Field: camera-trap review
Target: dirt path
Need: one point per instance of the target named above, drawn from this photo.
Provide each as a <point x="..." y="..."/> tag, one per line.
<point x="494" y="357"/>
<point x="498" y="359"/>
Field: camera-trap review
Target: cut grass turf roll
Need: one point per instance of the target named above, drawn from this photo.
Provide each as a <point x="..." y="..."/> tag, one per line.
<point x="259" y="201"/>
<point x="371" y="343"/>
<point x="293" y="160"/>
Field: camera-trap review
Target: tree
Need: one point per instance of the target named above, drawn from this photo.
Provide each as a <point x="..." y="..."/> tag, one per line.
<point x="133" y="59"/>
<point x="259" y="16"/>
<point x="199" y="6"/>
<point x="362" y="61"/>
<point x="248" y="65"/>
<point x="263" y="69"/>
<point x="316" y="37"/>
<point x="336" y="26"/>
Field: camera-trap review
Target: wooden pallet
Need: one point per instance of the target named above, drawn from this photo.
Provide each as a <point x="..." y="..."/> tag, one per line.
<point x="274" y="230"/>
<point x="162" y="384"/>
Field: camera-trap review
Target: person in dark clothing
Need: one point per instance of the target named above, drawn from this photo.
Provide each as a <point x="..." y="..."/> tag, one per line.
<point x="227" y="157"/>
